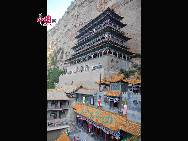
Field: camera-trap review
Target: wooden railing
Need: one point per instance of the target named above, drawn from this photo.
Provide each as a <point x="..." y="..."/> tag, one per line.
<point x="56" y="122"/>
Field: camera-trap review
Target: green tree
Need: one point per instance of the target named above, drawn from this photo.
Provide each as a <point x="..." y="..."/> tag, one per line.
<point x="139" y="69"/>
<point x="53" y="77"/>
<point x="127" y="73"/>
<point x="53" y="60"/>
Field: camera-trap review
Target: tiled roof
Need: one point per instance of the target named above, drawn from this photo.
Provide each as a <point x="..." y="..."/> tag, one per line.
<point x="116" y="78"/>
<point x="133" y="81"/>
<point x="70" y="88"/>
<point x="112" y="93"/>
<point x="120" y="77"/>
<point x="86" y="91"/>
<point x="103" y="82"/>
<point x="113" y="78"/>
<point x="56" y="94"/>
<point x="107" y="119"/>
<point x="63" y="137"/>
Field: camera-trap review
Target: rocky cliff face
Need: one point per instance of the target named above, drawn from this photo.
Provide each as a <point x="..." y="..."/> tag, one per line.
<point x="61" y="38"/>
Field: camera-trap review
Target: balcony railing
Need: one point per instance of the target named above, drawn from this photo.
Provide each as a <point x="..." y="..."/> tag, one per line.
<point x="58" y="107"/>
<point x="57" y="122"/>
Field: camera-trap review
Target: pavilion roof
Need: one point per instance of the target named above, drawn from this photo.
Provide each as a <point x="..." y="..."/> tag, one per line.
<point x="113" y="93"/>
<point x="86" y="91"/>
<point x="133" y="81"/>
<point x="103" y="44"/>
<point x="56" y="94"/>
<point x="120" y="78"/>
<point x="100" y="32"/>
<point x="63" y="137"/>
<point x="113" y="78"/>
<point x="70" y="88"/>
<point x="108" y="119"/>
<point x="97" y="19"/>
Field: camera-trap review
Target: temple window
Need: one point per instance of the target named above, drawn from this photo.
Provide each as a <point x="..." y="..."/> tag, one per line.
<point x="100" y="54"/>
<point x="105" y="52"/>
<point x="95" y="55"/>
<point x="115" y="86"/>
<point x="109" y="52"/>
<point x="89" y="57"/>
<point x="115" y="54"/>
<point x="87" y="68"/>
<point x="135" y="102"/>
<point x="120" y="55"/>
<point x="81" y="69"/>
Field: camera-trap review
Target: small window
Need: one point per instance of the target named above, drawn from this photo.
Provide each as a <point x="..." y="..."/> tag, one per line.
<point x="87" y="68"/>
<point x="135" y="102"/>
<point x="81" y="69"/>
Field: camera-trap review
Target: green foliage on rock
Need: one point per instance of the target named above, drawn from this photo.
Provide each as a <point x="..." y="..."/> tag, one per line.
<point x="53" y="60"/>
<point x="128" y="73"/>
<point x="139" y="69"/>
<point x="53" y="77"/>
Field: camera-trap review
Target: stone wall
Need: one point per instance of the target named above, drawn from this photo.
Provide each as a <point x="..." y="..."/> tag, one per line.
<point x="61" y="38"/>
<point x="88" y="78"/>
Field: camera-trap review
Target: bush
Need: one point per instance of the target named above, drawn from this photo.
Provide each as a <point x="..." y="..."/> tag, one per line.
<point x="127" y="73"/>
<point x="53" y="77"/>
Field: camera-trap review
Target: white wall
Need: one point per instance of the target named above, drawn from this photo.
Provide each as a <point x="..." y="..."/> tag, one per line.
<point x="89" y="78"/>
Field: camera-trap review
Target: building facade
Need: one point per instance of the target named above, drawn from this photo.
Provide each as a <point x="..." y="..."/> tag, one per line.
<point x="101" y="50"/>
<point x="58" y="107"/>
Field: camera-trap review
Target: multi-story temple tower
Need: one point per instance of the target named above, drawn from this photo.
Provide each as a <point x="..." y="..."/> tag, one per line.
<point x="100" y="51"/>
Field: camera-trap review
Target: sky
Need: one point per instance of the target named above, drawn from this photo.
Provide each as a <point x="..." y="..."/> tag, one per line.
<point x="56" y="9"/>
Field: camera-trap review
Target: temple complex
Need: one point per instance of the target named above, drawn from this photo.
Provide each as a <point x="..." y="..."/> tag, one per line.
<point x="111" y="114"/>
<point x="102" y="102"/>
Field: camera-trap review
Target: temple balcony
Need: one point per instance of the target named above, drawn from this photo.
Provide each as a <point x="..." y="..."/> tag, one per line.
<point x="54" y="109"/>
<point x="98" y="29"/>
<point x="101" y="20"/>
<point x="106" y="36"/>
<point x="57" y="122"/>
<point x="57" y="108"/>
<point x="100" y="40"/>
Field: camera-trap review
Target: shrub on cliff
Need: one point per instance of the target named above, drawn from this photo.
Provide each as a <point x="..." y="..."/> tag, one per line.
<point x="53" y="77"/>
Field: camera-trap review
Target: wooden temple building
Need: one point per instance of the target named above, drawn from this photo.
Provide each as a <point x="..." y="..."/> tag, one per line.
<point x="101" y="49"/>
<point x="101" y="36"/>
